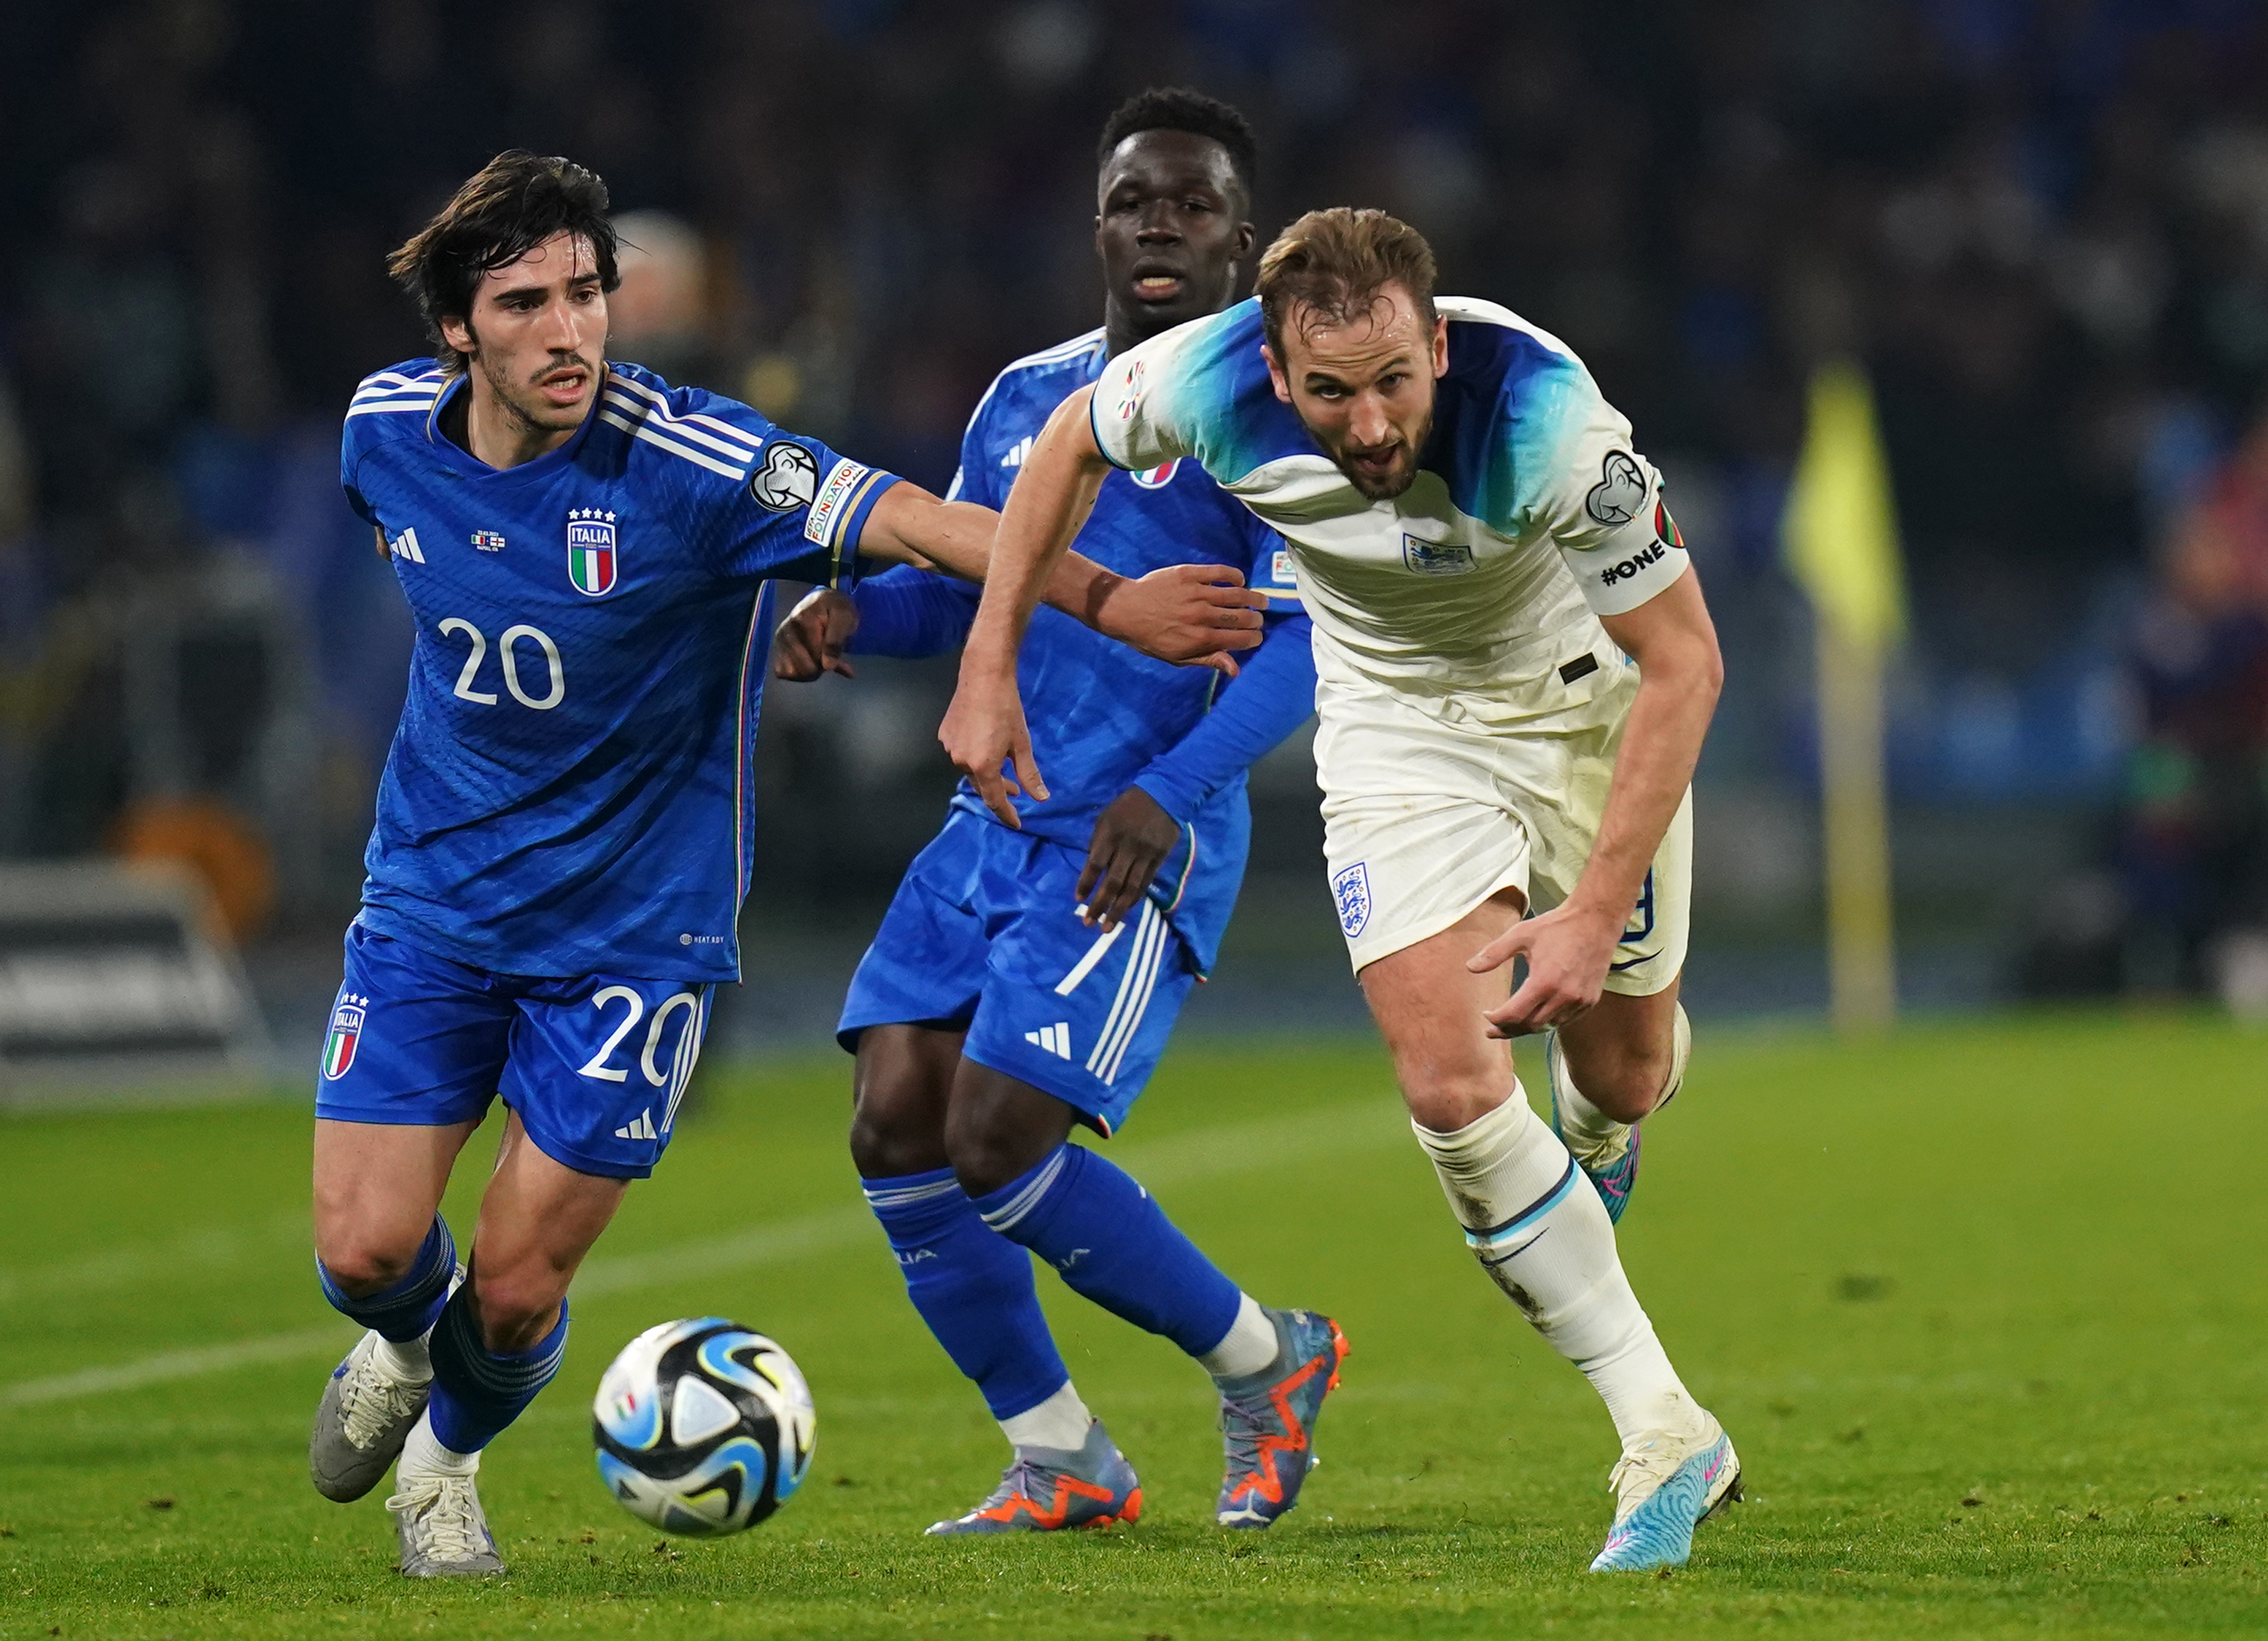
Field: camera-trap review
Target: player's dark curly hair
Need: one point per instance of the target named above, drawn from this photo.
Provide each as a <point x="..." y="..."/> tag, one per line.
<point x="509" y="206"/>
<point x="1178" y="109"/>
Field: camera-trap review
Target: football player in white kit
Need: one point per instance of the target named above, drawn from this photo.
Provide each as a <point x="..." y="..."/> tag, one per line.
<point x="1516" y="673"/>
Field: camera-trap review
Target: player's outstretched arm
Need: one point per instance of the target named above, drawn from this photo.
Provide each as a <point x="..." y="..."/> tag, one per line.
<point x="1568" y="949"/>
<point x="1190" y="614"/>
<point x="1187" y="613"/>
<point x="1055" y="491"/>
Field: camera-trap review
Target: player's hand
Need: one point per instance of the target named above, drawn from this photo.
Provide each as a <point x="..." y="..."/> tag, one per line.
<point x="984" y="729"/>
<point x="1568" y="949"/>
<point x="811" y="640"/>
<point x="1190" y="614"/>
<point x="1130" y="842"/>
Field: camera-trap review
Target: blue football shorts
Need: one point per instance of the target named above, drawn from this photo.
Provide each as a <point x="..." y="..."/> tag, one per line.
<point x="594" y="1067"/>
<point x="982" y="938"/>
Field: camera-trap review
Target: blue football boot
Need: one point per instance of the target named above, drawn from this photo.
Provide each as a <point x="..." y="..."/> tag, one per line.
<point x="1045" y="1490"/>
<point x="1665" y="1486"/>
<point x="1268" y="1419"/>
<point x="1608" y="1151"/>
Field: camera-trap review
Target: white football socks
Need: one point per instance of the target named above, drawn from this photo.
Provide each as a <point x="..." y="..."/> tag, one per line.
<point x="1538" y="1227"/>
<point x="1249" y="1345"/>
<point x="422" y="1454"/>
<point x="408" y="1362"/>
<point x="1059" y="1422"/>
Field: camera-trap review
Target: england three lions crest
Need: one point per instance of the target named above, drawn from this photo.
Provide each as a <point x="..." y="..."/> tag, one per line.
<point x="593" y="556"/>
<point x="1350" y="892"/>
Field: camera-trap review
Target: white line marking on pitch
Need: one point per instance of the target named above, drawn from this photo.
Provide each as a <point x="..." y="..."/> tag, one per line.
<point x="1205" y="1154"/>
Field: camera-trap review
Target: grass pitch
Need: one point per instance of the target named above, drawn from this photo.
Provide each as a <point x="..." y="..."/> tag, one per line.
<point x="1981" y="1304"/>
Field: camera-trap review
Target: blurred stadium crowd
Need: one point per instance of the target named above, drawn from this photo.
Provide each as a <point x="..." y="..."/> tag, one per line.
<point x="2044" y="223"/>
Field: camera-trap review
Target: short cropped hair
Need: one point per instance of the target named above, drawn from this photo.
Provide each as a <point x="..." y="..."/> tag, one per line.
<point x="509" y="206"/>
<point x="1178" y="109"/>
<point x="1337" y="262"/>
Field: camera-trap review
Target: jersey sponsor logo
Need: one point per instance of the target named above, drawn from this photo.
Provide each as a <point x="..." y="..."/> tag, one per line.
<point x="1619" y="493"/>
<point x="345" y="1035"/>
<point x="842" y="479"/>
<point x="488" y="540"/>
<point x="593" y="560"/>
<point x="1279" y="566"/>
<point x="405" y="546"/>
<point x="1633" y="564"/>
<point x="1350" y="894"/>
<point x="789" y="478"/>
<point x="1156" y="478"/>
<point x="1436" y="558"/>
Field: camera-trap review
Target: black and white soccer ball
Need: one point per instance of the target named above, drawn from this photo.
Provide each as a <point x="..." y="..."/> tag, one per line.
<point x="704" y="1427"/>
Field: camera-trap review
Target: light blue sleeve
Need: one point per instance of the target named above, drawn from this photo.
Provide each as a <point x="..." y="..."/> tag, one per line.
<point x="1563" y="463"/>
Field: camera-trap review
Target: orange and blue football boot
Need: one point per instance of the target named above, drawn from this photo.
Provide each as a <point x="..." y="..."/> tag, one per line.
<point x="1045" y="1490"/>
<point x="1268" y="1419"/>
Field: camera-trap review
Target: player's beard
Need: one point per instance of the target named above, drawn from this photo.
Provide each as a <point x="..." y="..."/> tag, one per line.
<point x="524" y="402"/>
<point x="1399" y="478"/>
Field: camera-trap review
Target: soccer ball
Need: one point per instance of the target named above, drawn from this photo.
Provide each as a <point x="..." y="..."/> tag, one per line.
<point x="704" y="1427"/>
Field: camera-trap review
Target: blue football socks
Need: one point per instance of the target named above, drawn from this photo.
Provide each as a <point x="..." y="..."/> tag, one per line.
<point x="405" y="1310"/>
<point x="476" y="1391"/>
<point x="1112" y="1243"/>
<point x="972" y="1287"/>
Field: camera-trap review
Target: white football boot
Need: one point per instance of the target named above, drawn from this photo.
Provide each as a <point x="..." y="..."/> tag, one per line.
<point x="442" y="1531"/>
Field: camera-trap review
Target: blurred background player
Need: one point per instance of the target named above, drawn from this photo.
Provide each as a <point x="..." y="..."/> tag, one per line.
<point x="1024" y="981"/>
<point x="1467" y="514"/>
<point x="564" y="833"/>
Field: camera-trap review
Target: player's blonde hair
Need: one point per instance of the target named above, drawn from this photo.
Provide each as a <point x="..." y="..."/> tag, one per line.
<point x="1337" y="262"/>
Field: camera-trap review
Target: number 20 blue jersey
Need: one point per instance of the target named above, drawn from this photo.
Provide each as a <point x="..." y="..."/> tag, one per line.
<point x="568" y="792"/>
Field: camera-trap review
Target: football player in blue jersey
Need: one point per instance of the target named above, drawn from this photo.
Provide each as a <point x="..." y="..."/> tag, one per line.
<point x="1024" y="981"/>
<point x="563" y="834"/>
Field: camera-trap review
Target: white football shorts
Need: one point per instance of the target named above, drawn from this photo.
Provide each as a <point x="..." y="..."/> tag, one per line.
<point x="1434" y="800"/>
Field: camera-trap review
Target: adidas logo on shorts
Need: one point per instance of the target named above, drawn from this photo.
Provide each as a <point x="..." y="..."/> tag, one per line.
<point x="1055" y="1039"/>
<point x="643" y="1128"/>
